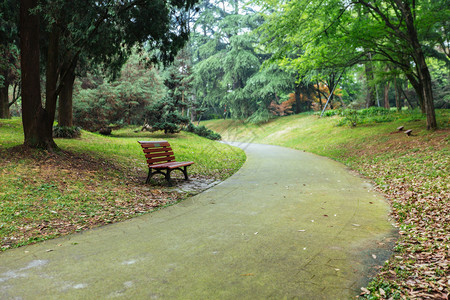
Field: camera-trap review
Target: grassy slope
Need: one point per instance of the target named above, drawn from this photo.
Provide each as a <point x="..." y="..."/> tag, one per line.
<point x="94" y="180"/>
<point x="413" y="173"/>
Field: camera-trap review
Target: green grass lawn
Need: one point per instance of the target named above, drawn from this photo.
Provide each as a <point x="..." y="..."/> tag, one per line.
<point x="93" y="180"/>
<point x="412" y="172"/>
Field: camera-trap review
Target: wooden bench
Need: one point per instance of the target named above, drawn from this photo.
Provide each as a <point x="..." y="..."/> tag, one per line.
<point x="160" y="158"/>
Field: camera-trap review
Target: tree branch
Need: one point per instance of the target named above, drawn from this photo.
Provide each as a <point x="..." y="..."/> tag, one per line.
<point x="384" y="17"/>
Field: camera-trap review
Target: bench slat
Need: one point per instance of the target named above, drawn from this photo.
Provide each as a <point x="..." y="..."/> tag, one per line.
<point x="152" y="155"/>
<point x="172" y="165"/>
<point x="151" y="150"/>
<point x="151" y="144"/>
<point x="152" y="161"/>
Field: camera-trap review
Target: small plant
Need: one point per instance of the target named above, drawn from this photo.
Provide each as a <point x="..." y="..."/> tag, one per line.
<point x="379" y="288"/>
<point x="350" y="117"/>
<point x="67" y="132"/>
<point x="203" y="131"/>
<point x="374" y="111"/>
<point x="332" y="112"/>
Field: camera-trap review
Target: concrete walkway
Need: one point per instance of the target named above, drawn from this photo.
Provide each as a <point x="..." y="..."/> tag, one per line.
<point x="289" y="224"/>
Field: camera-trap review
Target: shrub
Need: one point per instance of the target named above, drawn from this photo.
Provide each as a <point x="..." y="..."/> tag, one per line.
<point x="66" y="132"/>
<point x="262" y="115"/>
<point x="163" y="115"/>
<point x="374" y="111"/>
<point x="203" y="131"/>
<point x="332" y="112"/>
<point x="369" y="115"/>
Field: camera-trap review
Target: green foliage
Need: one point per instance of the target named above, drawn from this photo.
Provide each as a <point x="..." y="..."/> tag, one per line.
<point x="337" y="35"/>
<point x="440" y="72"/>
<point x="227" y="78"/>
<point x="262" y="115"/>
<point x="163" y="115"/>
<point x="353" y="117"/>
<point x="350" y="117"/>
<point x="66" y="132"/>
<point x="203" y="132"/>
<point x="99" y="103"/>
<point x="390" y="290"/>
<point x="332" y="112"/>
<point x="374" y="111"/>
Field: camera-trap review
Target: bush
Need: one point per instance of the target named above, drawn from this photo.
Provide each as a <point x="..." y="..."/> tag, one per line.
<point x="262" y="115"/>
<point x="203" y="131"/>
<point x="66" y="132"/>
<point x="332" y="112"/>
<point x="350" y="117"/>
<point x="369" y="115"/>
<point x="373" y="111"/>
<point x="163" y="115"/>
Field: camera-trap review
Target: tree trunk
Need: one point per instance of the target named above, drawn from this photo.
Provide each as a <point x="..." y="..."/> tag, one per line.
<point x="297" y="91"/>
<point x="65" y="106"/>
<point x="422" y="67"/>
<point x="35" y="118"/>
<point x="331" y="86"/>
<point x="397" y="95"/>
<point x="370" y="96"/>
<point x="4" y="101"/>
<point x="428" y="98"/>
<point x="386" y="95"/>
<point x="418" y="88"/>
<point x="319" y="95"/>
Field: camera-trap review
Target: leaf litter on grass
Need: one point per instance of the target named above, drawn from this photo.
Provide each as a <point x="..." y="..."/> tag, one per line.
<point x="45" y="195"/>
<point x="414" y="176"/>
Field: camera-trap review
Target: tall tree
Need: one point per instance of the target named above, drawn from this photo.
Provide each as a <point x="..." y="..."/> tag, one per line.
<point x="338" y="33"/>
<point x="35" y="118"/>
<point x="159" y="23"/>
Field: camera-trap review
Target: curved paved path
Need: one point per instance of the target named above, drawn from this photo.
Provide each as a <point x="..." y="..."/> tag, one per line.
<point x="289" y="224"/>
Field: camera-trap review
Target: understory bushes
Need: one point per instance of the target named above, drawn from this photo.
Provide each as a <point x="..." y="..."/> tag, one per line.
<point x="354" y="117"/>
<point x="68" y="132"/>
<point x="203" y="132"/>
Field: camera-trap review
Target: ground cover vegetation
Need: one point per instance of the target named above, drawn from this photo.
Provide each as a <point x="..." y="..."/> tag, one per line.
<point x="94" y="180"/>
<point x="411" y="171"/>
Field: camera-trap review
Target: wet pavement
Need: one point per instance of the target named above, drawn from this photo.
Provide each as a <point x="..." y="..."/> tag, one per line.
<point x="289" y="224"/>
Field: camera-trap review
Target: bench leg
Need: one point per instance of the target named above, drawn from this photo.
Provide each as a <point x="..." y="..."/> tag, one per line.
<point x="151" y="173"/>
<point x="167" y="175"/>
<point x="149" y="176"/>
<point x="185" y="173"/>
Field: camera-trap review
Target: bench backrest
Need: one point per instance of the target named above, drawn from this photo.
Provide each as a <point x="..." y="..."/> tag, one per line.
<point x="157" y="152"/>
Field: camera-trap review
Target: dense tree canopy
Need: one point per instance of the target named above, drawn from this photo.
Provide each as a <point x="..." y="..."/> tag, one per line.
<point x="334" y="33"/>
<point x="111" y="28"/>
<point x="246" y="60"/>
